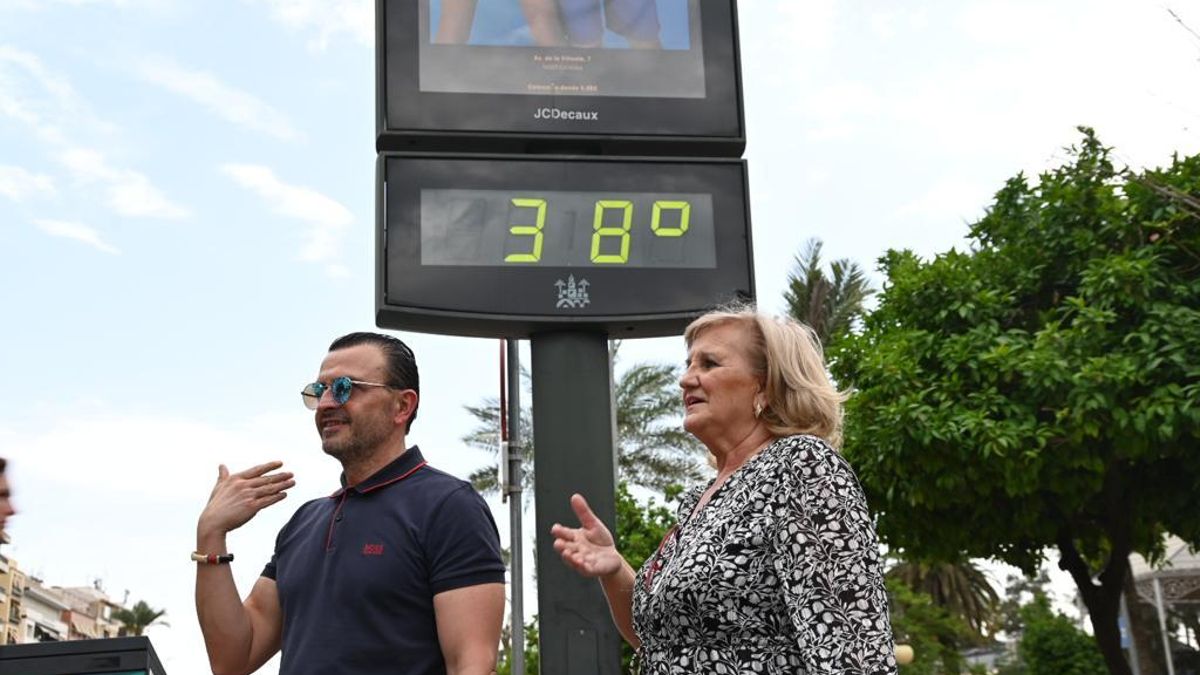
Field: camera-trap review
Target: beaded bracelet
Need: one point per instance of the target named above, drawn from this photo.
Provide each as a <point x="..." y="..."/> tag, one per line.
<point x="212" y="558"/>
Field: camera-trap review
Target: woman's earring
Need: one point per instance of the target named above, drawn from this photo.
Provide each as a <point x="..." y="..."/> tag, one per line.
<point x="758" y="408"/>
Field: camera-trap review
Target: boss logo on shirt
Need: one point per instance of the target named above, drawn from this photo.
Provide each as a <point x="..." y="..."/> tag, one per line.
<point x="372" y="549"/>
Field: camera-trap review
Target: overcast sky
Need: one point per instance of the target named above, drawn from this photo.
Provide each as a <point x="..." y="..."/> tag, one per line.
<point x="186" y="221"/>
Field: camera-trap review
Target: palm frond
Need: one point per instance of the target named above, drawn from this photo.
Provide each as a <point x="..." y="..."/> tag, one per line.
<point x="829" y="304"/>
<point x="653" y="450"/>
<point x="962" y="588"/>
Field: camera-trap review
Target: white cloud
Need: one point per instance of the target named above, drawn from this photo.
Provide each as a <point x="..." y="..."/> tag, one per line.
<point x="232" y="104"/>
<point x="17" y="183"/>
<point x="328" y="218"/>
<point x="46" y="103"/>
<point x="78" y="232"/>
<point x="43" y="4"/>
<point x="130" y="193"/>
<point x="34" y="96"/>
<point x="888" y="23"/>
<point x="84" y="442"/>
<point x="1030" y="74"/>
<point x="839" y="111"/>
<point x="950" y="198"/>
<point x="328" y="18"/>
<point x="793" y="42"/>
<point x="809" y="26"/>
<point x="1012" y="23"/>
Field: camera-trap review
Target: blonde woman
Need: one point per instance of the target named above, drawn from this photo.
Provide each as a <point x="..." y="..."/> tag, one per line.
<point x="774" y="566"/>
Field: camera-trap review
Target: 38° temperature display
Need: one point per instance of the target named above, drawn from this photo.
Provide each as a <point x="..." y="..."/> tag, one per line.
<point x="548" y="228"/>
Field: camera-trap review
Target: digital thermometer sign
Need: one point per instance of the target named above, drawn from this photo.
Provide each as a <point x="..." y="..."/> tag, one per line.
<point x="506" y="247"/>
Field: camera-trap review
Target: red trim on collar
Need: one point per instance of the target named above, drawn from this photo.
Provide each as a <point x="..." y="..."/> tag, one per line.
<point x="397" y="479"/>
<point x="343" y="490"/>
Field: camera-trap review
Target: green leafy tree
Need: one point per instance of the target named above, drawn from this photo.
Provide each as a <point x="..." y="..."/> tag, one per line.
<point x="1041" y="389"/>
<point x="936" y="635"/>
<point x="653" y="450"/>
<point x="1018" y="592"/>
<point x="961" y="588"/>
<point x="829" y="303"/>
<point x="139" y="618"/>
<point x="1052" y="645"/>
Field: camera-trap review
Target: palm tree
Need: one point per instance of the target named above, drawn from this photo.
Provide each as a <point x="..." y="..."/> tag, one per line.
<point x="961" y="588"/>
<point x="486" y="436"/>
<point x="653" y="450"/>
<point x="829" y="304"/>
<point x="141" y="617"/>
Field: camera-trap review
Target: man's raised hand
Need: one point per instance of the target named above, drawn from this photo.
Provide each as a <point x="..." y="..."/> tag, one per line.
<point x="236" y="498"/>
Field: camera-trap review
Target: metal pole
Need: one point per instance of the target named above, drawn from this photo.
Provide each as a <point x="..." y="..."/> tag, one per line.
<point x="573" y="452"/>
<point x="513" y="460"/>
<point x="1162" y="624"/>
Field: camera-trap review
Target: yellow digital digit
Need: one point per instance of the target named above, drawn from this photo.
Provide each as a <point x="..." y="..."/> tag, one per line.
<point x="599" y="231"/>
<point x="535" y="231"/>
<point x="685" y="216"/>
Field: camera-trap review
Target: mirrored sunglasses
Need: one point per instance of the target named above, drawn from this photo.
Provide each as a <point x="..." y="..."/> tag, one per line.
<point x="340" y="390"/>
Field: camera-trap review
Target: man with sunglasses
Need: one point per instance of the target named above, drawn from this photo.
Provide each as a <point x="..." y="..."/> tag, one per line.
<point x="399" y="571"/>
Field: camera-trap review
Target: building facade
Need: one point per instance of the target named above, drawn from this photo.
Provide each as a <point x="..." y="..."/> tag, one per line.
<point x="12" y="594"/>
<point x="30" y="611"/>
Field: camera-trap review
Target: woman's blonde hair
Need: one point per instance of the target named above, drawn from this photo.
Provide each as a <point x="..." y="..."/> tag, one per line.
<point x="786" y="354"/>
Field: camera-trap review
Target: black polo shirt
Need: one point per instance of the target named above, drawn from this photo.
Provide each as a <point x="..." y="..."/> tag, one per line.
<point x="357" y="571"/>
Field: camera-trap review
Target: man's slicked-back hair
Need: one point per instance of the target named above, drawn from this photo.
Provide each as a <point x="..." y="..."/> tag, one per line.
<point x="401" y="364"/>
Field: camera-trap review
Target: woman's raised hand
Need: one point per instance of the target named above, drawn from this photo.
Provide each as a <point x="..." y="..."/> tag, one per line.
<point x="588" y="549"/>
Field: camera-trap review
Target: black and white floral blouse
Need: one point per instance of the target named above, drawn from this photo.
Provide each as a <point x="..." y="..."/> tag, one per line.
<point x="779" y="573"/>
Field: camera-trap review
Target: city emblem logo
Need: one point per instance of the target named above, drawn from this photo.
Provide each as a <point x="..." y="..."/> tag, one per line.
<point x="571" y="293"/>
